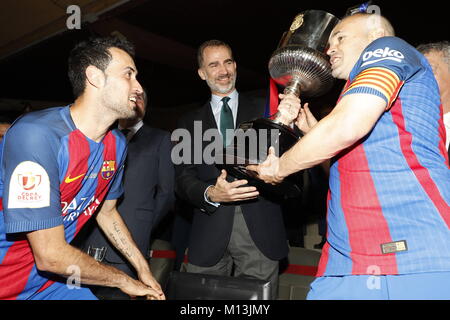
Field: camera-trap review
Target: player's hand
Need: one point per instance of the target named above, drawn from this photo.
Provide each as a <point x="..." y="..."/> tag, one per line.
<point x="305" y="120"/>
<point x="268" y="170"/>
<point x="148" y="279"/>
<point x="135" y="288"/>
<point x="288" y="108"/>
<point x="224" y="191"/>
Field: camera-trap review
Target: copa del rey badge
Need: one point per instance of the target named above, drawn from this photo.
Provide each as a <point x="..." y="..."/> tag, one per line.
<point x="29" y="181"/>
<point x="108" y="168"/>
<point x="29" y="186"/>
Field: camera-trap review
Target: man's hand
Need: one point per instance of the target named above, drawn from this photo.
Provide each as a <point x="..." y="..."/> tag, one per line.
<point x="224" y="191"/>
<point x="53" y="254"/>
<point x="268" y="171"/>
<point x="135" y="288"/>
<point x="112" y="224"/>
<point x="288" y="108"/>
<point x="305" y="120"/>
<point x="148" y="279"/>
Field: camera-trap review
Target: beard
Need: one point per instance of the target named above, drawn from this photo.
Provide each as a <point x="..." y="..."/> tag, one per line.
<point x="223" y="89"/>
<point x="117" y="103"/>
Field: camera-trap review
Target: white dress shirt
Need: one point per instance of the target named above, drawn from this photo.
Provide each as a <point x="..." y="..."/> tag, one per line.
<point x="217" y="103"/>
<point x="216" y="107"/>
<point x="133" y="129"/>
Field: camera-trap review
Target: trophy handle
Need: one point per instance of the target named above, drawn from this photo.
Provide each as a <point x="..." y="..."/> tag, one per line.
<point x="293" y="87"/>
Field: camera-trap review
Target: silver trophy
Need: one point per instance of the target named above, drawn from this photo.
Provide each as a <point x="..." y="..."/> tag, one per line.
<point x="299" y="64"/>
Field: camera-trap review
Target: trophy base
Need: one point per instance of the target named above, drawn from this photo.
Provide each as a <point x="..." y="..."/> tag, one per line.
<point x="250" y="146"/>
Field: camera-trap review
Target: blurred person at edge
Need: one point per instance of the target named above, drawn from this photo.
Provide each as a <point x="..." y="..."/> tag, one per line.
<point x="438" y="55"/>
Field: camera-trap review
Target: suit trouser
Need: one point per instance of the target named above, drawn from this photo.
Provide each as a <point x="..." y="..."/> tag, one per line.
<point x="242" y="254"/>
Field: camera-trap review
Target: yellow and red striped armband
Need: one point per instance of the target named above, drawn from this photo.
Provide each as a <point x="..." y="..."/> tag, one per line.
<point x="379" y="81"/>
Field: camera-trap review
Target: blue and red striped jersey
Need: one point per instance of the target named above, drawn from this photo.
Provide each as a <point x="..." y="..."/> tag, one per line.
<point x="51" y="174"/>
<point x="388" y="203"/>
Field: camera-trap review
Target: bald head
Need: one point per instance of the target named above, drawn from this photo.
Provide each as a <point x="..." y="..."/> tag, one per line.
<point x="351" y="36"/>
<point x="375" y="25"/>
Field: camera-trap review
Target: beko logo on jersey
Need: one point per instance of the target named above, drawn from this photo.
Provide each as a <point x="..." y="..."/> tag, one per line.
<point x="383" y="54"/>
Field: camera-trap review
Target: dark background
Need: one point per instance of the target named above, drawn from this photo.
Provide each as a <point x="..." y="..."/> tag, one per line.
<point x="167" y="33"/>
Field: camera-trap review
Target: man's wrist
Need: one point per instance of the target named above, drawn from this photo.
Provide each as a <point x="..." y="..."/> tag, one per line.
<point x="122" y="280"/>
<point x="143" y="267"/>
<point x="209" y="192"/>
<point x="281" y="173"/>
<point x="207" y="195"/>
<point x="283" y="119"/>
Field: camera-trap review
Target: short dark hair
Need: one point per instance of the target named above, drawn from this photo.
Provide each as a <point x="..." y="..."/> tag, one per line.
<point x="210" y="43"/>
<point x="93" y="52"/>
<point x="441" y="46"/>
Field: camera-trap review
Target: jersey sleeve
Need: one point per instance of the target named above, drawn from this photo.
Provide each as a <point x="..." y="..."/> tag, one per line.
<point x="384" y="66"/>
<point x="31" y="198"/>
<point x="116" y="189"/>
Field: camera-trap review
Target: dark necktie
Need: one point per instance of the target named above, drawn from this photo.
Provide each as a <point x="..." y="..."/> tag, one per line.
<point x="226" y="120"/>
<point x="125" y="132"/>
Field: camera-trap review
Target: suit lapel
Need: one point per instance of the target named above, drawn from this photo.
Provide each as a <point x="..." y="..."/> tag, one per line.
<point x="247" y="110"/>
<point x="137" y="135"/>
<point x="207" y="117"/>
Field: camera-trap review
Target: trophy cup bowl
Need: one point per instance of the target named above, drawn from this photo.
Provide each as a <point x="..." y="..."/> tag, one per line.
<point x="301" y="66"/>
<point x="301" y="69"/>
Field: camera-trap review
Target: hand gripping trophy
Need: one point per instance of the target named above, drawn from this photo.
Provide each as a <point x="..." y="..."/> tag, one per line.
<point x="301" y="66"/>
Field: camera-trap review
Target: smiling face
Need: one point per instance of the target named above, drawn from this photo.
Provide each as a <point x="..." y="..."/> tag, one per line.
<point x="218" y="70"/>
<point x="121" y="88"/>
<point x="347" y="41"/>
<point x="141" y="107"/>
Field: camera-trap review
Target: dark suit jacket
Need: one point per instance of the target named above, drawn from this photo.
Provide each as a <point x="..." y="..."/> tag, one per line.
<point x="148" y="190"/>
<point x="211" y="226"/>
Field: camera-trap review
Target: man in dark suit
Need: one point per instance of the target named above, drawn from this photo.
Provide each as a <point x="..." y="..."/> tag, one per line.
<point x="148" y="193"/>
<point x="234" y="227"/>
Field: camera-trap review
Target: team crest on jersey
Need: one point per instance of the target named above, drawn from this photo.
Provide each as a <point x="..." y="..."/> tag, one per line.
<point x="108" y="168"/>
<point x="29" y="186"/>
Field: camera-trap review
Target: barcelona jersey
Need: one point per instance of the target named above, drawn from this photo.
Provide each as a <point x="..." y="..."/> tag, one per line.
<point x="51" y="174"/>
<point x="389" y="197"/>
